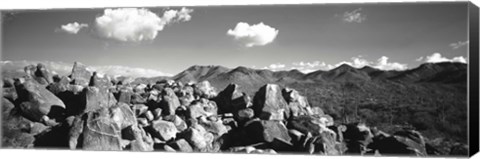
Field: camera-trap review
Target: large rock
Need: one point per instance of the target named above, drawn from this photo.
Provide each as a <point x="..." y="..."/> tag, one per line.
<point x="205" y="90"/>
<point x="16" y="130"/>
<point x="267" y="131"/>
<point x="357" y="136"/>
<point x="310" y="124"/>
<point x="215" y="126"/>
<point x="100" y="81"/>
<point x="96" y="98"/>
<point x="297" y="104"/>
<point x="42" y="72"/>
<point x="164" y="130"/>
<point x="177" y="121"/>
<point x="95" y="130"/>
<point x="36" y="101"/>
<point x="124" y="95"/>
<point x="101" y="132"/>
<point x="142" y="141"/>
<point x="268" y="103"/>
<point x="201" y="108"/>
<point x="102" y="128"/>
<point x="199" y="138"/>
<point x="181" y="145"/>
<point x="122" y="115"/>
<point x="138" y="99"/>
<point x="169" y="102"/>
<point x="230" y="100"/>
<point x="80" y="75"/>
<point x="9" y="92"/>
<point x="243" y="115"/>
<point x="406" y="142"/>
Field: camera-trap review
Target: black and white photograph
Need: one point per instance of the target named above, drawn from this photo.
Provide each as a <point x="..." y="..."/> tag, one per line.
<point x="346" y="79"/>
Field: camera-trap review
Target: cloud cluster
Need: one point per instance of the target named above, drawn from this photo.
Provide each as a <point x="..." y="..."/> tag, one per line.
<point x="130" y="24"/>
<point x="71" y="28"/>
<point x="135" y="25"/>
<point x="458" y="44"/>
<point x="437" y="57"/>
<point x="354" y="16"/>
<point x="114" y="70"/>
<point x="381" y="63"/>
<point x="253" y="35"/>
<point x="275" y="67"/>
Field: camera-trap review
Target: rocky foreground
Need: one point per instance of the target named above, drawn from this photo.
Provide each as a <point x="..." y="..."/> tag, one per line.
<point x="90" y="112"/>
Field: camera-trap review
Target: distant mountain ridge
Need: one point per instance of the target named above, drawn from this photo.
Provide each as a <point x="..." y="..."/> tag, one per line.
<point x="427" y="72"/>
<point x="220" y="77"/>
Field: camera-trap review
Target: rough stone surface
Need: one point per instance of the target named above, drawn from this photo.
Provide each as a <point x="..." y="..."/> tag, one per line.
<point x="268" y="103"/>
<point x="164" y="130"/>
<point x="267" y="131"/>
<point x="80" y="75"/>
<point x="169" y="102"/>
<point x="36" y="101"/>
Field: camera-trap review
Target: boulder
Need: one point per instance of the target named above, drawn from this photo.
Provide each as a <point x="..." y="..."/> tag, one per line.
<point x="268" y="103"/>
<point x="124" y="96"/>
<point x="407" y="142"/>
<point x="142" y="141"/>
<point x="325" y="143"/>
<point x="80" y="75"/>
<point x="309" y="124"/>
<point x="122" y="115"/>
<point x="204" y="89"/>
<point x="297" y="103"/>
<point x="138" y="99"/>
<point x="96" y="98"/>
<point x="230" y="100"/>
<point x="99" y="81"/>
<point x="42" y="72"/>
<point x="181" y="145"/>
<point x="267" y="131"/>
<point x="36" y="101"/>
<point x="196" y="110"/>
<point x="199" y="138"/>
<point x="10" y="93"/>
<point x="57" y="88"/>
<point x="102" y="128"/>
<point x="243" y="115"/>
<point x="101" y="132"/>
<point x="357" y="136"/>
<point x="140" y="88"/>
<point x="139" y="109"/>
<point x="169" y="102"/>
<point x="164" y="130"/>
<point x="214" y="126"/>
<point x="177" y="121"/>
<point x="16" y="130"/>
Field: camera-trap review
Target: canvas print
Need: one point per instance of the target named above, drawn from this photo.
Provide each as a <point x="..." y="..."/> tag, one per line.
<point x="372" y="79"/>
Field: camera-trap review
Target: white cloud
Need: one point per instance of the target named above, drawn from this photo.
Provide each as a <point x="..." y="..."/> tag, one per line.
<point x="354" y="16"/>
<point x="437" y="57"/>
<point x="357" y="62"/>
<point x="458" y="44"/>
<point x="275" y="67"/>
<point x="72" y="28"/>
<point x="253" y="35"/>
<point x="116" y="71"/>
<point x="135" y="25"/>
<point x="383" y="64"/>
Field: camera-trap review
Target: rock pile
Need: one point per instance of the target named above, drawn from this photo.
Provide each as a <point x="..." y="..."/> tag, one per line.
<point x="90" y="112"/>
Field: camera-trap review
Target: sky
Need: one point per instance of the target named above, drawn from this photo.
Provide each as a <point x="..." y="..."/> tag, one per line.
<point x="166" y="41"/>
